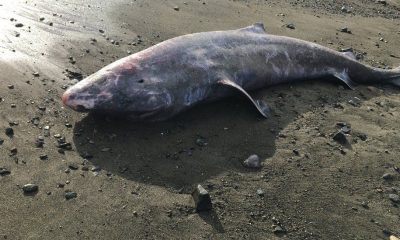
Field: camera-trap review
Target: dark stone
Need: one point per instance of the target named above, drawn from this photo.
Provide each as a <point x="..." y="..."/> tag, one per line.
<point x="18" y="25"/>
<point x="43" y="157"/>
<point x="252" y="161"/>
<point x="387" y="176"/>
<point x="70" y="195"/>
<point x="290" y="26"/>
<point x="202" y="199"/>
<point x="9" y="132"/>
<point x="340" y="137"/>
<point x="30" y="188"/>
<point x="394" y="197"/>
<point x="345" y="30"/>
<point x="362" y="136"/>
<point x="4" y="171"/>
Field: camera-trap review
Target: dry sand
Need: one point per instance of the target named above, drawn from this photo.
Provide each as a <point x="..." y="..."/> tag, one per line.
<point x="314" y="188"/>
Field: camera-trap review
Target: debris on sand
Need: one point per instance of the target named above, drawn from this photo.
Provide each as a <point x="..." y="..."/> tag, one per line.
<point x="340" y="137"/>
<point x="252" y="161"/>
<point x="9" y="132"/>
<point x="4" y="171"/>
<point x="202" y="199"/>
<point x="30" y="188"/>
<point x="394" y="197"/>
<point x="70" y="195"/>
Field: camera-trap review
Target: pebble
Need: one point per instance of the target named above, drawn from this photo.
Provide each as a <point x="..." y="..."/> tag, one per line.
<point x="70" y="195"/>
<point x="95" y="169"/>
<point x="36" y="74"/>
<point x="10" y="86"/>
<point x="39" y="142"/>
<point x="362" y="136"/>
<point x="30" y="188"/>
<point x="260" y="192"/>
<point x="201" y="142"/>
<point x="290" y="26"/>
<point x="340" y="137"/>
<point x="14" y="151"/>
<point x="202" y="199"/>
<point x="394" y="197"/>
<point x="73" y="166"/>
<point x="18" y="25"/>
<point x="387" y="176"/>
<point x="252" y="161"/>
<point x="176" y="8"/>
<point x="4" y="171"/>
<point x="9" y="132"/>
<point x="43" y="157"/>
<point x="277" y="229"/>
<point x="345" y="30"/>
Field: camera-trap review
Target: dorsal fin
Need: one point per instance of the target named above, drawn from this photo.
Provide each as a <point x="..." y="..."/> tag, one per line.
<point x="255" y="28"/>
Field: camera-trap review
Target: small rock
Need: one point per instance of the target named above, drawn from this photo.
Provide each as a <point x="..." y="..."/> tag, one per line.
<point x="290" y="26"/>
<point x="252" y="161"/>
<point x="10" y="86"/>
<point x="202" y="199"/>
<point x="340" y="137"/>
<point x="14" y="151"/>
<point x="18" y="25"/>
<point x="381" y="2"/>
<point x="201" y="142"/>
<point x="70" y="195"/>
<point x="9" y="132"/>
<point x="345" y="30"/>
<point x="392" y="237"/>
<point x="4" y="171"/>
<point x="95" y="169"/>
<point x="73" y="166"/>
<point x="345" y="9"/>
<point x="345" y="129"/>
<point x="277" y="229"/>
<point x="43" y="156"/>
<point x="39" y="142"/>
<point x="364" y="205"/>
<point x="387" y="176"/>
<point x="30" y="188"/>
<point x="1" y="141"/>
<point x="36" y="74"/>
<point x="41" y="19"/>
<point x="176" y="8"/>
<point x="260" y="192"/>
<point x="394" y="197"/>
<point x="362" y="136"/>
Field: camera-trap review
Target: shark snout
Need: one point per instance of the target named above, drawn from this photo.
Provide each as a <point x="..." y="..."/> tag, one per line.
<point x="73" y="101"/>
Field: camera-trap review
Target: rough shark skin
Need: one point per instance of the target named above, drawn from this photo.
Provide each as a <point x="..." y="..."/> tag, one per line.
<point x="172" y="76"/>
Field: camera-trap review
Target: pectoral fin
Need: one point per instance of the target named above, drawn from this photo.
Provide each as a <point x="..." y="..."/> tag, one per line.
<point x="344" y="76"/>
<point x="261" y="106"/>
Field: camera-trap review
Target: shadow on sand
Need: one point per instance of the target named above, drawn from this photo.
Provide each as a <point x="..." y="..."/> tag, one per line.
<point x="203" y="142"/>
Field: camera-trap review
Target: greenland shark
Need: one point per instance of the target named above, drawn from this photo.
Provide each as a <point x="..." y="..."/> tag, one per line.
<point x="177" y="74"/>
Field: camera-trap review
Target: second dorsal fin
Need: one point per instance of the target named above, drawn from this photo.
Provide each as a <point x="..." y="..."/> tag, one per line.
<point x="255" y="28"/>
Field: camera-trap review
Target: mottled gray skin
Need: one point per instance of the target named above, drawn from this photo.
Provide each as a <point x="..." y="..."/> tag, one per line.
<point x="175" y="75"/>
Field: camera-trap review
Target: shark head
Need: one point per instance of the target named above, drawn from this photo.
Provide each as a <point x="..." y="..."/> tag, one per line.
<point x="121" y="87"/>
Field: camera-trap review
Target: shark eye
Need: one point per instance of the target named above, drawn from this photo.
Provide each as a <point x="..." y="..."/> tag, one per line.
<point x="140" y="80"/>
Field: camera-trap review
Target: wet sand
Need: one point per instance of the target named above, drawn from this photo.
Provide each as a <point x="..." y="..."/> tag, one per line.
<point x="133" y="180"/>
